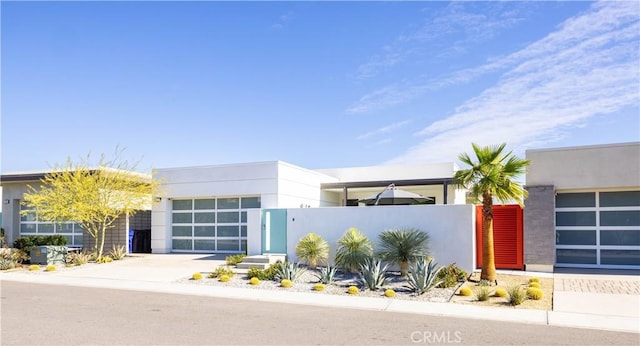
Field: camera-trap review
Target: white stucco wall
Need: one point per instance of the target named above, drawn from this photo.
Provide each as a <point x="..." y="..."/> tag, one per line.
<point x="278" y="184"/>
<point x="392" y="172"/>
<point x="611" y="166"/>
<point x="451" y="228"/>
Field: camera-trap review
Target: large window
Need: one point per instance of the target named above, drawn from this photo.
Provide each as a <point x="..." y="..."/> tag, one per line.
<point x="30" y="225"/>
<point x="598" y="229"/>
<point x="211" y="224"/>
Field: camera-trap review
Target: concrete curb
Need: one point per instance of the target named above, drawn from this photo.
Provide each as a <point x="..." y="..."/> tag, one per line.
<point x="552" y="318"/>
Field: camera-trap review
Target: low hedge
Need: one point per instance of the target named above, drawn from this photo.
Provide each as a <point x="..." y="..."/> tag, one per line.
<point x="26" y="242"/>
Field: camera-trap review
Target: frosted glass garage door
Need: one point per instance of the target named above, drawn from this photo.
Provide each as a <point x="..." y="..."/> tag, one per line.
<point x="598" y="229"/>
<point x="211" y="225"/>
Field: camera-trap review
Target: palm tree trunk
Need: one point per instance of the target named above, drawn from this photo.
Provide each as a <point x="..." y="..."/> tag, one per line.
<point x="313" y="263"/>
<point x="488" y="258"/>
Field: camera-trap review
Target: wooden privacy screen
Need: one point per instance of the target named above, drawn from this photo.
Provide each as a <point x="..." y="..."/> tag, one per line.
<point x="507" y="236"/>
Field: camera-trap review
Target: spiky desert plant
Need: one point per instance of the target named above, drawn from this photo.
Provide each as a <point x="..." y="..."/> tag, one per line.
<point x="326" y="275"/>
<point x="353" y="249"/>
<point x="224" y="278"/>
<point x="118" y="252"/>
<point x="482" y="293"/>
<point x="34" y="267"/>
<point x="389" y="293"/>
<point x="289" y="271"/>
<point x="50" y="268"/>
<point x="500" y="292"/>
<point x="312" y="249"/>
<point x="423" y="276"/>
<point x="373" y="275"/>
<point x="534" y="293"/>
<point x="403" y="246"/>
<point x="254" y="281"/>
<point x="286" y="283"/>
<point x="318" y="287"/>
<point x="353" y="290"/>
<point x="196" y="276"/>
<point x="465" y="291"/>
<point x="6" y="264"/>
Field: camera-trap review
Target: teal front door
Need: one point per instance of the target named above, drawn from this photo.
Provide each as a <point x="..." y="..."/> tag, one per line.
<point x="274" y="231"/>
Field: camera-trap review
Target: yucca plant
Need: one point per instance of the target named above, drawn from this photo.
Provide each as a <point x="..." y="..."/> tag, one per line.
<point x="289" y="271"/>
<point x="423" y="276"/>
<point x="6" y="264"/>
<point x="118" y="252"/>
<point x="403" y="246"/>
<point x="373" y="275"/>
<point x="326" y="275"/>
<point x="354" y="248"/>
<point x="313" y="249"/>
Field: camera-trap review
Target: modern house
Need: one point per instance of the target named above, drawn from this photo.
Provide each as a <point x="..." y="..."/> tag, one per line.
<point x="16" y="223"/>
<point x="583" y="208"/>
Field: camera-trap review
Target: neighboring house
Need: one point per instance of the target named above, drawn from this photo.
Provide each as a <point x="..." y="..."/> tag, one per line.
<point x="583" y="208"/>
<point x="14" y="186"/>
<point x="205" y="209"/>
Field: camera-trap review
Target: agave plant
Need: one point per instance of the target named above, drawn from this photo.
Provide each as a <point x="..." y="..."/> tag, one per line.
<point x="403" y="246"/>
<point x="423" y="276"/>
<point x="373" y="275"/>
<point x="354" y="248"/>
<point x="118" y="252"/>
<point x="313" y="249"/>
<point x="326" y="275"/>
<point x="289" y="271"/>
<point x="6" y="264"/>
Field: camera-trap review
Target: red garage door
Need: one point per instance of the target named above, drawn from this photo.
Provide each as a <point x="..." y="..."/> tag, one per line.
<point x="507" y="236"/>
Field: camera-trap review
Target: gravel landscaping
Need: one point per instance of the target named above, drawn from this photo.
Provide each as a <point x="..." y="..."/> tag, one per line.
<point x="342" y="281"/>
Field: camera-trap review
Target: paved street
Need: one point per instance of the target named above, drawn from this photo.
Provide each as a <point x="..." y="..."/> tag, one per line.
<point x="37" y="314"/>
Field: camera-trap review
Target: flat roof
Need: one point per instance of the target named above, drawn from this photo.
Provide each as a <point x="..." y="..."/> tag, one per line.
<point x="401" y="182"/>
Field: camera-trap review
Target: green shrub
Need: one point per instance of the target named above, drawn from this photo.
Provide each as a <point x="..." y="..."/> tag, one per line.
<point x="254" y="281"/>
<point x="534" y="284"/>
<point x="465" y="291"/>
<point x="389" y="293"/>
<point x="500" y="292"/>
<point x="516" y="295"/>
<point x="353" y="290"/>
<point x="326" y="275"/>
<point x="289" y="271"/>
<point x="233" y="260"/>
<point x="353" y="250"/>
<point x="77" y="258"/>
<point x="482" y="293"/>
<point x="451" y="275"/>
<point x="196" y="276"/>
<point x="264" y="274"/>
<point x="373" y="275"/>
<point x="318" y="287"/>
<point x="28" y="241"/>
<point x="423" y="276"/>
<point x="534" y="293"/>
<point x="312" y="249"/>
<point x="34" y="267"/>
<point x="286" y="283"/>
<point x="224" y="278"/>
<point x="50" y="268"/>
<point x="118" y="252"/>
<point x="222" y="270"/>
<point x="534" y="279"/>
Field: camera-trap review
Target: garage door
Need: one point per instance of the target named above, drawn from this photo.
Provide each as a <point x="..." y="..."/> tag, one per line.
<point x="211" y="225"/>
<point x="598" y="229"/>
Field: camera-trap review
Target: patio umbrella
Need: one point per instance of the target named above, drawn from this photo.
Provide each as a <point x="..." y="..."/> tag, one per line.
<point x="394" y="196"/>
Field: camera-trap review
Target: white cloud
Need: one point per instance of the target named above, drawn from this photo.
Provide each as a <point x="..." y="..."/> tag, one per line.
<point x="383" y="130"/>
<point x="454" y="21"/>
<point x="590" y="66"/>
<point x="283" y="20"/>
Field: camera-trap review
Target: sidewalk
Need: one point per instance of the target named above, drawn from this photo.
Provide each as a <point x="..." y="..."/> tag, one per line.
<point x="598" y="302"/>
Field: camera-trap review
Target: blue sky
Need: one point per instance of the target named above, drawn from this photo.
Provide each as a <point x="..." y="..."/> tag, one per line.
<point x="317" y="84"/>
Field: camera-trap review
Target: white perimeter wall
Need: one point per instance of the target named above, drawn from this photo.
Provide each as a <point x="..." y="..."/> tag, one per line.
<point x="451" y="228"/>
<point x="588" y="167"/>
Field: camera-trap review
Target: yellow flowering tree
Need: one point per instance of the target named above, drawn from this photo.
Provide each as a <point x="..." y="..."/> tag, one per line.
<point x="92" y="196"/>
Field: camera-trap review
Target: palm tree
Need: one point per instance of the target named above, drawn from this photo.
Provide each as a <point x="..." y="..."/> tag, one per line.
<point x="313" y="249"/>
<point x="403" y="246"/>
<point x="354" y="248"/>
<point x="491" y="176"/>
